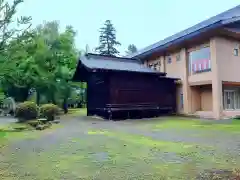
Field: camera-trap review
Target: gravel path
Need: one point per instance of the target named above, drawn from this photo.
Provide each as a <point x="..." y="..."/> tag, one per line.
<point x="78" y="129"/>
<point x="7" y="120"/>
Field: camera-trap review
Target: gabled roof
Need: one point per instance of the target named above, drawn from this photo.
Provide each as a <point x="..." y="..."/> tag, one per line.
<point x="227" y="17"/>
<point x="95" y="61"/>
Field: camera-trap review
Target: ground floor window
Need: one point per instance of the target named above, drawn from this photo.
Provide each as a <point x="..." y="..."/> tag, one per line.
<point x="231" y="99"/>
<point x="181" y="100"/>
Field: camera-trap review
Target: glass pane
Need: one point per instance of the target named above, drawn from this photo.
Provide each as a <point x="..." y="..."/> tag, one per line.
<point x="231" y="100"/>
<point x="199" y="60"/>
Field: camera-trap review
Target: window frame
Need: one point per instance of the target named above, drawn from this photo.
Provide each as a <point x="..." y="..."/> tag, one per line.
<point x="181" y="101"/>
<point x="178" y="57"/>
<point x="206" y="68"/>
<point x="236" y="51"/>
<point x="169" y="59"/>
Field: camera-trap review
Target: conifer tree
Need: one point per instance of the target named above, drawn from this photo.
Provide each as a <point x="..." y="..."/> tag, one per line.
<point x="108" y="40"/>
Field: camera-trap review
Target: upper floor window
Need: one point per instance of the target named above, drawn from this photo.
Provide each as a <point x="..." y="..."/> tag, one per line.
<point x="169" y="59"/>
<point x="235" y="51"/>
<point x="178" y="57"/>
<point x="199" y="60"/>
<point x="155" y="65"/>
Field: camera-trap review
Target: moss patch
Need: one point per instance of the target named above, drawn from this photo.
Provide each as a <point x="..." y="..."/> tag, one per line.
<point x="232" y="126"/>
<point x="77" y="112"/>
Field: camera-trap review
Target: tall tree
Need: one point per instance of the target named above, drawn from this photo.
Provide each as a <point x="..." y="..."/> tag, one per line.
<point x="131" y="49"/>
<point x="44" y="61"/>
<point x="9" y="27"/>
<point x="108" y="40"/>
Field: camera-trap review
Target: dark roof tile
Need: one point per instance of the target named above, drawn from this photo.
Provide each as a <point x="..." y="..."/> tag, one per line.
<point x="94" y="61"/>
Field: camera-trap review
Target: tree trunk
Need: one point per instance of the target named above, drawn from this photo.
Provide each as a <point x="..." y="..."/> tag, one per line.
<point x="65" y="106"/>
<point x="53" y="99"/>
<point x="37" y="98"/>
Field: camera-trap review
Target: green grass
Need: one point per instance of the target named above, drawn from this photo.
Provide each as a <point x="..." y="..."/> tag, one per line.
<point x="104" y="153"/>
<point x="175" y="123"/>
<point x="20" y="131"/>
<point x="76" y="112"/>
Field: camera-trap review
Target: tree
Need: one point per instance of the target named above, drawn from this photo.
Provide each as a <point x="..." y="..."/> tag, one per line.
<point x="131" y="49"/>
<point x="108" y="40"/>
<point x="43" y="62"/>
<point x="10" y="28"/>
<point x="7" y="31"/>
<point x="56" y="61"/>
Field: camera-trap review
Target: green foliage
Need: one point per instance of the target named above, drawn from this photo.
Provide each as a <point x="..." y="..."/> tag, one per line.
<point x="42" y="59"/>
<point x="49" y="111"/>
<point x="27" y="111"/>
<point x="2" y="96"/>
<point x="11" y="29"/>
<point x="7" y="11"/>
<point x="131" y="49"/>
<point x="108" y="40"/>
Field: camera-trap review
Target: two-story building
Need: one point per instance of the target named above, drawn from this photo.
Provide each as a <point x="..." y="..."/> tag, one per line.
<point x="206" y="59"/>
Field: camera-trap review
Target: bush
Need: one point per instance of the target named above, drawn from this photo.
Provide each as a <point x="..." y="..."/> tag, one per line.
<point x="27" y="111"/>
<point x="49" y="111"/>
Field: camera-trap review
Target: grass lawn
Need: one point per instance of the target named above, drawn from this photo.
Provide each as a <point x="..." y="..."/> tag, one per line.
<point x="73" y="112"/>
<point x="164" y="148"/>
<point x="19" y="131"/>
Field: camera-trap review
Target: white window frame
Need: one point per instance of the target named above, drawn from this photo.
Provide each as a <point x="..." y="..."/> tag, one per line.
<point x="235" y="99"/>
<point x="194" y="70"/>
<point x="181" y="101"/>
<point x="236" y="50"/>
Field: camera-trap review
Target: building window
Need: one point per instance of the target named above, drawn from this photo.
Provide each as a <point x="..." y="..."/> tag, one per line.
<point x="231" y="99"/>
<point x="235" y="51"/>
<point x="157" y="65"/>
<point x="169" y="59"/>
<point x="181" y="100"/>
<point x="199" y="60"/>
<point x="178" y="57"/>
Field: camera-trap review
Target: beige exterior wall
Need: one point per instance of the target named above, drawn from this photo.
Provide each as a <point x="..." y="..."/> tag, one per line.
<point x="175" y="68"/>
<point x="178" y="96"/>
<point x="224" y="67"/>
<point x="206" y="99"/>
<point x="201" y="78"/>
<point x="195" y="99"/>
<point x="228" y="63"/>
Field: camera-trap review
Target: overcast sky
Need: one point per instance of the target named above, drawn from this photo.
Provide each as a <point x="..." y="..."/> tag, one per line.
<point x="139" y="22"/>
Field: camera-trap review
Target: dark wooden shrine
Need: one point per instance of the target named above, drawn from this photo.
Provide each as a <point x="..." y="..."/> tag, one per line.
<point x="124" y="88"/>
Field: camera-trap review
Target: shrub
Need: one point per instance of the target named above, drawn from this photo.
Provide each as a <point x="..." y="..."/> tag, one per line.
<point x="49" y="111"/>
<point x="27" y="111"/>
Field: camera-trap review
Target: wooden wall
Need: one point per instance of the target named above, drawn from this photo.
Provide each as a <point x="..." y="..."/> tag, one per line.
<point x="129" y="88"/>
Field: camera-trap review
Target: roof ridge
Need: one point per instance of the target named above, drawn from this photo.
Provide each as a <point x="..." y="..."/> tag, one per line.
<point x="100" y="62"/>
<point x="125" y="59"/>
